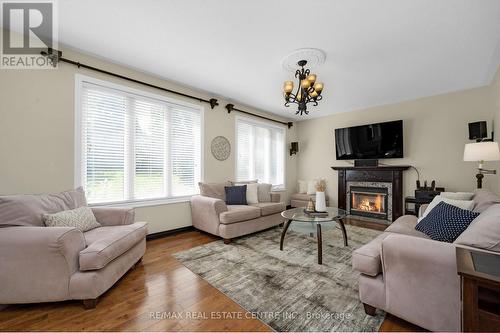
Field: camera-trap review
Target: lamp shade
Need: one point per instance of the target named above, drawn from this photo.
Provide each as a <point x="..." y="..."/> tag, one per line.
<point x="481" y="151"/>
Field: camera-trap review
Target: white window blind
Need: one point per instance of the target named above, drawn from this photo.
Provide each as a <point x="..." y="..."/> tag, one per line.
<point x="260" y="152"/>
<point x="135" y="147"/>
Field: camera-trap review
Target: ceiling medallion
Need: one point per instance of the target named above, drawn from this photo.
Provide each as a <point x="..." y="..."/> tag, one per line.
<point x="308" y="90"/>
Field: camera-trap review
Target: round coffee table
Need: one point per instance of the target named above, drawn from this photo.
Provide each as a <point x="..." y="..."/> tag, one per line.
<point x="335" y="216"/>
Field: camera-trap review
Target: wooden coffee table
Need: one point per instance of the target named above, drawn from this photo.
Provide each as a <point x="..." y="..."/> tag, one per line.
<point x="297" y="215"/>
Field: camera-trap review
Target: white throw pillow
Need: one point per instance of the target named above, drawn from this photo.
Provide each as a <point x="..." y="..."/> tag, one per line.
<point x="464" y="204"/>
<point x="81" y="218"/>
<point x="302" y="186"/>
<point x="457" y="195"/>
<point x="311" y="187"/>
<point x="252" y="193"/>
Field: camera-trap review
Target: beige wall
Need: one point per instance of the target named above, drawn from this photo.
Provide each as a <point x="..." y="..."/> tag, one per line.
<point x="37" y="134"/>
<point x="435" y="131"/>
<point x="495" y="96"/>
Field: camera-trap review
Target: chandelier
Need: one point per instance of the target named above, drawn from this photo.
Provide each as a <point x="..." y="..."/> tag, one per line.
<point x="308" y="90"/>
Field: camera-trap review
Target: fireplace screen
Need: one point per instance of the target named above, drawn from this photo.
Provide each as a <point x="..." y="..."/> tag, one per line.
<point x="369" y="201"/>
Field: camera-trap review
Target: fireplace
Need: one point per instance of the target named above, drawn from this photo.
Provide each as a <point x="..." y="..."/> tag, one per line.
<point x="386" y="179"/>
<point x="369" y="202"/>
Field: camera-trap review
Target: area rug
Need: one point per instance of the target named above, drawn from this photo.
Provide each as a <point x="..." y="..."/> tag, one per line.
<point x="287" y="289"/>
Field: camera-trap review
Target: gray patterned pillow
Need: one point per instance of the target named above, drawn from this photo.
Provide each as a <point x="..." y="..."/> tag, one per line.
<point x="81" y="218"/>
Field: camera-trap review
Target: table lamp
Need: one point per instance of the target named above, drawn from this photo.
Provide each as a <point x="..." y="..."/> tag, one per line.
<point x="480" y="152"/>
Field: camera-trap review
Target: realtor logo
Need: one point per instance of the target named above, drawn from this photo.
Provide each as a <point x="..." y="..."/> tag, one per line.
<point x="28" y="28"/>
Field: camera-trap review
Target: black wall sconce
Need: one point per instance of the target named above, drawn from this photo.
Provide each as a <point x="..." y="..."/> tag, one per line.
<point x="294" y="148"/>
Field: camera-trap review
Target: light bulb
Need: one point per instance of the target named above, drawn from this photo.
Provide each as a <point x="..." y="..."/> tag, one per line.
<point x="311" y="78"/>
<point x="288" y="86"/>
<point x="318" y="87"/>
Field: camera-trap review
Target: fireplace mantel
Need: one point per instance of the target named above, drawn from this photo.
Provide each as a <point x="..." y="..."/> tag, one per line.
<point x="387" y="173"/>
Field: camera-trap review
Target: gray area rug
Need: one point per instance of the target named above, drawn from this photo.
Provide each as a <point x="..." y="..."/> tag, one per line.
<point x="287" y="289"/>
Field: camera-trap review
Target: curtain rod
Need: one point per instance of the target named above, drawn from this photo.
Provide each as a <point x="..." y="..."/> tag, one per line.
<point x="55" y="56"/>
<point x="230" y="107"/>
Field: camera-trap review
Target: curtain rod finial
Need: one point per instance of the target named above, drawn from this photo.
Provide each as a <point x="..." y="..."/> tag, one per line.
<point x="213" y="103"/>
<point x="229" y="107"/>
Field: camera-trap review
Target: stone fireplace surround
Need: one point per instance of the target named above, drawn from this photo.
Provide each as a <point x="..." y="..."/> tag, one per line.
<point x="390" y="177"/>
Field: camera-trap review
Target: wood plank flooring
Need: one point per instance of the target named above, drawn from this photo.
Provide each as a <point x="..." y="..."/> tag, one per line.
<point x="140" y="301"/>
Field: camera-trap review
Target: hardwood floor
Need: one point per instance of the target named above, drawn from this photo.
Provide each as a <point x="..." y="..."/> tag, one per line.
<point x="142" y="299"/>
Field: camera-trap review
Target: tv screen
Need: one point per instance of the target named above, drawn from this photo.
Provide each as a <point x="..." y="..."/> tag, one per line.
<point x="374" y="141"/>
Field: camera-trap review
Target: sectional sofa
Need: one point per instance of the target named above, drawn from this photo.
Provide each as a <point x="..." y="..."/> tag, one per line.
<point x="407" y="274"/>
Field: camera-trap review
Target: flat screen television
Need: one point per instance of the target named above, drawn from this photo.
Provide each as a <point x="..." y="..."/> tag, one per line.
<point x="374" y="141"/>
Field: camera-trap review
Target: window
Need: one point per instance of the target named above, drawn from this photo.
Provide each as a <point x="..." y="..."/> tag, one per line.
<point x="134" y="146"/>
<point x="260" y="152"/>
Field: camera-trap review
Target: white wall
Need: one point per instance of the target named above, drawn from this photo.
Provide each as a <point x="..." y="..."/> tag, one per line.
<point x="435" y="131"/>
<point x="37" y="134"/>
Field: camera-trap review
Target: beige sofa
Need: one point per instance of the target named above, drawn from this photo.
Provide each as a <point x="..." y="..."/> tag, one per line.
<point x="407" y="274"/>
<point x="211" y="214"/>
<point x="47" y="264"/>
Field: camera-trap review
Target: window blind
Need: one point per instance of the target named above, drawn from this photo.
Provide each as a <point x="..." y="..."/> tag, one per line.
<point x="137" y="148"/>
<point x="260" y="152"/>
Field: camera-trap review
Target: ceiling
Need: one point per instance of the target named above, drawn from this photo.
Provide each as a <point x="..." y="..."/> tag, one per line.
<point x="377" y="52"/>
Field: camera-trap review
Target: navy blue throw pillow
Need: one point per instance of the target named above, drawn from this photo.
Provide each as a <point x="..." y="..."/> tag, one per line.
<point x="236" y="195"/>
<point x="446" y="222"/>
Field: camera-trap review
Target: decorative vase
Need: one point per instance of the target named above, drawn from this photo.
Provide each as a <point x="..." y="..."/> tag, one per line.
<point x="320" y="202"/>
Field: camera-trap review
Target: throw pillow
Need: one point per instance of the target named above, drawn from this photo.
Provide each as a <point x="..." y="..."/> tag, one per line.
<point x="213" y="190"/>
<point x="264" y="192"/>
<point x="302" y="186"/>
<point x="457" y="195"/>
<point x="81" y="218"/>
<point x="446" y="222"/>
<point x="242" y="182"/>
<point x="311" y="187"/>
<point x="252" y="193"/>
<point x="236" y="195"/>
<point x="464" y="204"/>
<point x="483" y="199"/>
<point x="484" y="231"/>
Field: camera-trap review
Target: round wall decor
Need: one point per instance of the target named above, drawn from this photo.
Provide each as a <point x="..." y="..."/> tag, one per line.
<point x="221" y="148"/>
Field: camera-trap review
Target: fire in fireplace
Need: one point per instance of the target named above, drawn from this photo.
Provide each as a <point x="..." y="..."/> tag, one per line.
<point x="369" y="202"/>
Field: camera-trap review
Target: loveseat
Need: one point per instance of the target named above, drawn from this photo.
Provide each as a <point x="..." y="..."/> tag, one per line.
<point x="407" y="274"/>
<point x="47" y="264"/>
<point x="211" y="214"/>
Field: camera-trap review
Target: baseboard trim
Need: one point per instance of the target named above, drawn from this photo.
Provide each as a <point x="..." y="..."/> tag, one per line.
<point x="167" y="233"/>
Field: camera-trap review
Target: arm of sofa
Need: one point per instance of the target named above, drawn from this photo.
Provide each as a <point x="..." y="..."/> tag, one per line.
<point x="109" y="216"/>
<point x="275" y="197"/>
<point x="205" y="213"/>
<point x="421" y="281"/>
<point x="37" y="263"/>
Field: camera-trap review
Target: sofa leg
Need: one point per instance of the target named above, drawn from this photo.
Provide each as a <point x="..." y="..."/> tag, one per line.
<point x="90" y="303"/>
<point x="369" y="310"/>
<point x="136" y="264"/>
<point x="227" y="240"/>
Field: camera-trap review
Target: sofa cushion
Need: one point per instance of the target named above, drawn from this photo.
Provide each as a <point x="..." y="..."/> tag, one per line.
<point x="264" y="192"/>
<point x="239" y="213"/>
<point x="366" y="259"/>
<point x="107" y="243"/>
<point x="213" y="190"/>
<point x="446" y="222"/>
<point x="27" y="209"/>
<point x="484" y="231"/>
<point x="303" y="196"/>
<point x="270" y="208"/>
<point x="405" y="225"/>
<point x="483" y="199"/>
<point x="80" y="218"/>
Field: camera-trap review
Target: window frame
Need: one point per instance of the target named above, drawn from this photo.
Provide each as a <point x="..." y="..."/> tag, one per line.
<point x="258" y="122"/>
<point x="80" y="79"/>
